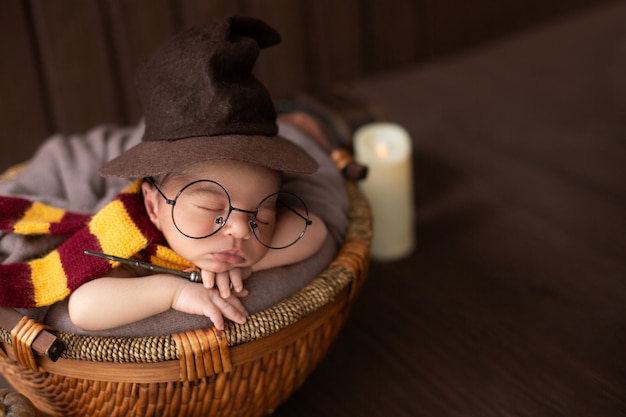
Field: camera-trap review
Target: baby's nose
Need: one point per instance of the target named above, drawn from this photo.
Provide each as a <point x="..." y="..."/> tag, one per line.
<point x="238" y="225"/>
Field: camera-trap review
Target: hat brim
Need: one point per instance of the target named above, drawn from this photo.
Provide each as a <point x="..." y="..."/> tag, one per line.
<point x="150" y="158"/>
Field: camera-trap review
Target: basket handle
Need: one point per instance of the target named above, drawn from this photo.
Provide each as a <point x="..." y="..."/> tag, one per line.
<point x="202" y="353"/>
<point x="28" y="335"/>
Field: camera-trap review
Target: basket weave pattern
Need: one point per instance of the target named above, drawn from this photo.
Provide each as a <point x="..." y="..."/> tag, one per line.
<point x="247" y="370"/>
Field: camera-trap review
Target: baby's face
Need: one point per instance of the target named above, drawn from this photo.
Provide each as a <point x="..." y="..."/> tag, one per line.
<point x="234" y="245"/>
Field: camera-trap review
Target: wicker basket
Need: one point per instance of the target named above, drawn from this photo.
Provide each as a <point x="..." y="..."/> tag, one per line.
<point x="247" y="370"/>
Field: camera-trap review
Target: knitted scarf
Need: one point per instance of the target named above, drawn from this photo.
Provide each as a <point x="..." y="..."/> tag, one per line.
<point x="121" y="228"/>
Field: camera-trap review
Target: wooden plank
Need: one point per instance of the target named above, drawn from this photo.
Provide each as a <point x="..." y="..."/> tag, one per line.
<point x="453" y="25"/>
<point x="335" y="42"/>
<point x="281" y="68"/>
<point x="24" y="122"/>
<point x="77" y="64"/>
<point x="194" y="12"/>
<point x="138" y="28"/>
<point x="391" y="33"/>
<point x="284" y="69"/>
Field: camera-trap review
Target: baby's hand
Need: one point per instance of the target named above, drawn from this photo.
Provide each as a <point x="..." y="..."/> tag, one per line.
<point x="227" y="281"/>
<point x="196" y="299"/>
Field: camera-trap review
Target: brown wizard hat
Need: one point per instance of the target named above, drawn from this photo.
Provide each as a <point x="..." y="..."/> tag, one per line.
<point x="201" y="102"/>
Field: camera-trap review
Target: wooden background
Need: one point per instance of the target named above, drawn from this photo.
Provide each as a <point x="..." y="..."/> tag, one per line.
<point x="67" y="65"/>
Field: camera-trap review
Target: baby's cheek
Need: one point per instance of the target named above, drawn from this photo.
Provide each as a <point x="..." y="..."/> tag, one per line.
<point x="258" y="254"/>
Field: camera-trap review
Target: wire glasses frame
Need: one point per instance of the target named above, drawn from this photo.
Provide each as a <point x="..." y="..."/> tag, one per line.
<point x="254" y="223"/>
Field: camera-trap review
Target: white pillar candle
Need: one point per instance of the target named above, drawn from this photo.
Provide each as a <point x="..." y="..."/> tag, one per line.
<point x="385" y="148"/>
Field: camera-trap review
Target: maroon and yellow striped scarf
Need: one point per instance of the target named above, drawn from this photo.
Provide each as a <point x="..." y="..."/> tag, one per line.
<point x="121" y="228"/>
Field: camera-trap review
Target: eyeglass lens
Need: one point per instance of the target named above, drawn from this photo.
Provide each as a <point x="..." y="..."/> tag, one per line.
<point x="203" y="207"/>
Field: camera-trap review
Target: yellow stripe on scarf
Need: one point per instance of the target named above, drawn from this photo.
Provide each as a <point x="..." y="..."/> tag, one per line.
<point x="114" y="216"/>
<point x="167" y="258"/>
<point x="49" y="279"/>
<point x="37" y="219"/>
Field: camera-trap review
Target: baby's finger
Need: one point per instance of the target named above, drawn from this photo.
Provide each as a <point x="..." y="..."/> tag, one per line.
<point x="241" y="294"/>
<point x="214" y="313"/>
<point x="223" y="283"/>
<point x="236" y="279"/>
<point x="234" y="310"/>
<point x="231" y="309"/>
<point x="208" y="279"/>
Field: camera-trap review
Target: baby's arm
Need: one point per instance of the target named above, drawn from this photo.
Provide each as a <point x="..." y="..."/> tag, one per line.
<point x="306" y="247"/>
<point x="112" y="301"/>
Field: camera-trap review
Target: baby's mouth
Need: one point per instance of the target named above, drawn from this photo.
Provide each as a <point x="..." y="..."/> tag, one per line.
<point x="229" y="256"/>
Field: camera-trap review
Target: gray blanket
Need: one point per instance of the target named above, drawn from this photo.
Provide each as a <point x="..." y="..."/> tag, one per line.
<point x="63" y="173"/>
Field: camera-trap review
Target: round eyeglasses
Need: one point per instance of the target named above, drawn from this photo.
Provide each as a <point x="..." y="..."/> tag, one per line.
<point x="202" y="208"/>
